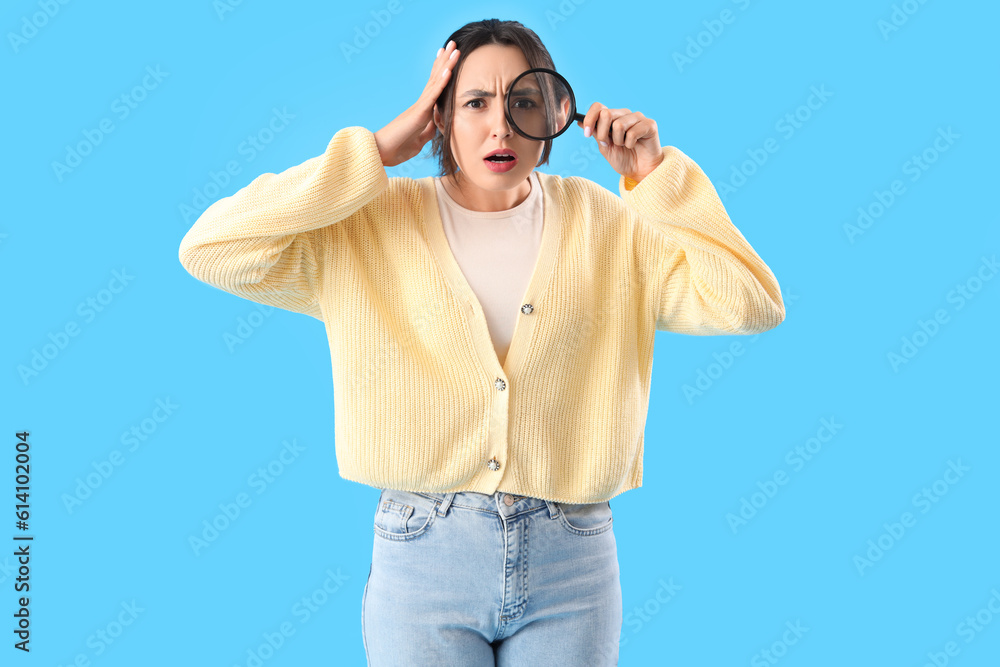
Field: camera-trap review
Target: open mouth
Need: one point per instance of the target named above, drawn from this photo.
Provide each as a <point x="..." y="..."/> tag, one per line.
<point x="501" y="160"/>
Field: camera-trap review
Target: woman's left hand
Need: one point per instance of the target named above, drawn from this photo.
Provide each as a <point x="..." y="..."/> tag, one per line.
<point x="633" y="150"/>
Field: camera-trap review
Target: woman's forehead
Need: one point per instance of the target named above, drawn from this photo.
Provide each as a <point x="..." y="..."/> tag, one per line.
<point x="486" y="65"/>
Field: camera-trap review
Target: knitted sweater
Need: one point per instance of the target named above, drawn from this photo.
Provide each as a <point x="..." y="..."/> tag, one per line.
<point x="421" y="401"/>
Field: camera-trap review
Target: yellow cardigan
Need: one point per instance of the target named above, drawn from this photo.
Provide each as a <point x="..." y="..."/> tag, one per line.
<point x="421" y="402"/>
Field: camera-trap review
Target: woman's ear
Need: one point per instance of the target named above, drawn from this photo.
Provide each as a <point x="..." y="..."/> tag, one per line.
<point x="438" y="119"/>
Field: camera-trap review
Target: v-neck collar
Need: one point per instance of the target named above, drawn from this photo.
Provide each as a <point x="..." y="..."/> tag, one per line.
<point x="552" y="222"/>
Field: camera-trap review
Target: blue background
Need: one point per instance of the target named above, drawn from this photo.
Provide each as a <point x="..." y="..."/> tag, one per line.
<point x="851" y="301"/>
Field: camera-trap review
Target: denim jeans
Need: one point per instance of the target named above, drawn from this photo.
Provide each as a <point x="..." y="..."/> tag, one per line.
<point x="475" y="580"/>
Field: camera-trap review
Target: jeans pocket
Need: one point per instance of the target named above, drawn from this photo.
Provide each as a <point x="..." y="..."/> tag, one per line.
<point x="586" y="519"/>
<point x="403" y="515"/>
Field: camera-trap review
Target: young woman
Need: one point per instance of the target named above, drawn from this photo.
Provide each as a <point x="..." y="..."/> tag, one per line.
<point x="491" y="332"/>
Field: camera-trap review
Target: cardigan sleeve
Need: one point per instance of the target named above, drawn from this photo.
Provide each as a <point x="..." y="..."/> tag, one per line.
<point x="264" y="243"/>
<point x="710" y="281"/>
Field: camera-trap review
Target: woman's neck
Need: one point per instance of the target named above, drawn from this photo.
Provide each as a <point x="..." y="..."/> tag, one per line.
<point x="476" y="199"/>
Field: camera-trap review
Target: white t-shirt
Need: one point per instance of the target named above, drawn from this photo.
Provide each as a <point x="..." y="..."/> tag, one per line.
<point x="496" y="251"/>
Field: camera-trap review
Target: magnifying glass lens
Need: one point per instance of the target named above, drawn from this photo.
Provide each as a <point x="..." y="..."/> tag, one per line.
<point x="540" y="104"/>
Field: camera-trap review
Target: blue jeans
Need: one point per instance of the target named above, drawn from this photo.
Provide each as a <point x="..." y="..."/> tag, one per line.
<point x="476" y="580"/>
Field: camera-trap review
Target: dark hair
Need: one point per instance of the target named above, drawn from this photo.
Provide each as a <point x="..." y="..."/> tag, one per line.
<point x="467" y="39"/>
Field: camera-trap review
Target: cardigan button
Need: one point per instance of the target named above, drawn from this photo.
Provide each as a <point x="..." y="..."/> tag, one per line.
<point x="493" y="464"/>
<point x="500" y="384"/>
<point x="527" y="308"/>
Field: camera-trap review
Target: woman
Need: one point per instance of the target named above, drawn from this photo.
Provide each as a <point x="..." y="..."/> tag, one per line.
<point x="491" y="333"/>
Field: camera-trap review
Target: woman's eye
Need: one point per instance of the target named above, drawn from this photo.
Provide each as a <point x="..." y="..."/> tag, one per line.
<point x="473" y="101"/>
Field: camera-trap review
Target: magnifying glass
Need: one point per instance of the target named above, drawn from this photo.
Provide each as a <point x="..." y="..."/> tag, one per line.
<point x="540" y="104"/>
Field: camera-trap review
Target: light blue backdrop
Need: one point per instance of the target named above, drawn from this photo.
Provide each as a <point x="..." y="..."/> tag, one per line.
<point x="828" y="496"/>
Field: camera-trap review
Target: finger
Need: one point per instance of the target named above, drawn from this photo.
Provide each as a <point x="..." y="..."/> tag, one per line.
<point x="444" y="63"/>
<point x="642" y="128"/>
<point x="590" y="118"/>
<point x="616" y="130"/>
<point x="450" y="56"/>
<point x="449" y="64"/>
<point x="603" y="130"/>
<point x="445" y="57"/>
<point x="623" y="128"/>
<point x="645" y="127"/>
<point x="446" y="50"/>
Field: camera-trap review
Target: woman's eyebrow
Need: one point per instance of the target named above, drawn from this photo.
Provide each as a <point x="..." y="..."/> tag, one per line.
<point x="478" y="93"/>
<point x="484" y="93"/>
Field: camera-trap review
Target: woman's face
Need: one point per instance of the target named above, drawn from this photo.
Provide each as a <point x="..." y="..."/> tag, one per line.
<point x="480" y="127"/>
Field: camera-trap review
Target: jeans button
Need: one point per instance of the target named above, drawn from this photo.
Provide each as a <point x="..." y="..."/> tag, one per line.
<point x="507" y="500"/>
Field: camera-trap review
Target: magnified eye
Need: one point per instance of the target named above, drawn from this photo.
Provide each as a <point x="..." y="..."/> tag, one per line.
<point x="524" y="103"/>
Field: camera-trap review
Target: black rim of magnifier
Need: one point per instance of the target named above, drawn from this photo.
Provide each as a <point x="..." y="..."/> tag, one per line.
<point x="572" y="101"/>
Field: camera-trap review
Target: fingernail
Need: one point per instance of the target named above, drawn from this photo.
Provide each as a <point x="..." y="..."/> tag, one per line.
<point x="440" y="51"/>
<point x="603" y="143"/>
<point x="444" y="72"/>
<point x="452" y="55"/>
<point x="587" y="131"/>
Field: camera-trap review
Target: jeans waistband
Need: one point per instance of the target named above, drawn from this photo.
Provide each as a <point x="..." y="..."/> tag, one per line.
<point x="485" y="501"/>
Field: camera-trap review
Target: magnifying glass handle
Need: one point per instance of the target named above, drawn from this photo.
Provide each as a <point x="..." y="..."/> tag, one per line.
<point x="578" y="117"/>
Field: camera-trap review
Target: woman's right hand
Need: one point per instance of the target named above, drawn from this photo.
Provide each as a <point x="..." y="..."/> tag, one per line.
<point x="406" y="135"/>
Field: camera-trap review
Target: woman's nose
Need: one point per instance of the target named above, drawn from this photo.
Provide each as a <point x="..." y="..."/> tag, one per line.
<point x="501" y="127"/>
